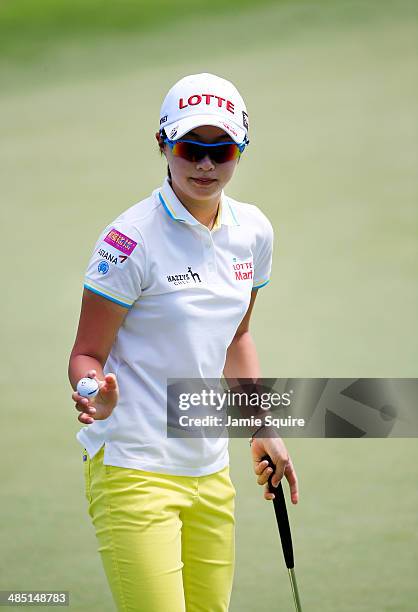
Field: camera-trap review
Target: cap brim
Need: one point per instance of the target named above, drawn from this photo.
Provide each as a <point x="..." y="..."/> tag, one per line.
<point x="178" y="129"/>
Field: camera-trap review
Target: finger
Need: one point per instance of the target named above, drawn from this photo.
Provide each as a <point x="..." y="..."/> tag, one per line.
<point x="80" y="407"/>
<point x="278" y="475"/>
<point x="110" y="380"/>
<point x="267" y="495"/>
<point x="109" y="384"/>
<point x="83" y="405"/>
<point x="85" y="419"/>
<point x="91" y="410"/>
<point x="92" y="374"/>
<point x="260" y="466"/>
<point x="263" y="478"/>
<point x="80" y="399"/>
<point x="292" y="479"/>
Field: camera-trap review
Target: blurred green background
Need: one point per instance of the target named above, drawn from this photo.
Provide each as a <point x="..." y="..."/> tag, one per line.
<point x="331" y="89"/>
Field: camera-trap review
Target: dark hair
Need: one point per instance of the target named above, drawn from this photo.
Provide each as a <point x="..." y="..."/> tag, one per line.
<point x="163" y="135"/>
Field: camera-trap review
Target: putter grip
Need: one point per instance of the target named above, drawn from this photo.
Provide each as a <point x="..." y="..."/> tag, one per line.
<point x="281" y="518"/>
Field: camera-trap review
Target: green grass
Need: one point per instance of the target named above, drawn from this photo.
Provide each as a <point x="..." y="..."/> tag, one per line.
<point x="331" y="92"/>
<point x="29" y="29"/>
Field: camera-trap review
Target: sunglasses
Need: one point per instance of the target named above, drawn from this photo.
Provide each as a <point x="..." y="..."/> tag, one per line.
<point x="195" y="151"/>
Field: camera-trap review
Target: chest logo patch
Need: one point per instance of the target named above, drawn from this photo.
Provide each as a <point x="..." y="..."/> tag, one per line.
<point x="120" y="241"/>
<point x="243" y="270"/>
<point x="184" y="279"/>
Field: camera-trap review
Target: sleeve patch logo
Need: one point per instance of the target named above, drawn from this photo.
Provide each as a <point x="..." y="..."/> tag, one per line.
<point x="121" y="242"/>
<point x="103" y="267"/>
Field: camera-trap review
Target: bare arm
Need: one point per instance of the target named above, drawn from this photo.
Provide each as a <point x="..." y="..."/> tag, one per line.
<point x="242" y="362"/>
<point x="241" y="357"/>
<point x="100" y="320"/>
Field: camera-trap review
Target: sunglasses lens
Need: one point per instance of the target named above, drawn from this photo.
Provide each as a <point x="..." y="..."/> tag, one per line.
<point x="194" y="152"/>
<point x="189" y="151"/>
<point x="224" y="153"/>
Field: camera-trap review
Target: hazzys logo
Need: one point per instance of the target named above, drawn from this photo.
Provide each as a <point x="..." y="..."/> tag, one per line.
<point x="184" y="279"/>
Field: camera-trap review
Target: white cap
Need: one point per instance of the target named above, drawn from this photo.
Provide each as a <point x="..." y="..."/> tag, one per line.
<point x="204" y="99"/>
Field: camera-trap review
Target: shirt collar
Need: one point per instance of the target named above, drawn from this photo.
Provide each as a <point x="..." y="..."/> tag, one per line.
<point x="226" y="214"/>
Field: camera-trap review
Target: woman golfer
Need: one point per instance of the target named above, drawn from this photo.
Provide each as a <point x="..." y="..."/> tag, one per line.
<point x="168" y="293"/>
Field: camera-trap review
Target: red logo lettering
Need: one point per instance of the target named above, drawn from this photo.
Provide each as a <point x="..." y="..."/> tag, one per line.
<point x="196" y="99"/>
<point x="243" y="275"/>
<point x="230" y="128"/>
<point x="243" y="270"/>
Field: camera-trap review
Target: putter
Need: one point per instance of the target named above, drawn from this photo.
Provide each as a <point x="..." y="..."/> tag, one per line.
<point x="285" y="534"/>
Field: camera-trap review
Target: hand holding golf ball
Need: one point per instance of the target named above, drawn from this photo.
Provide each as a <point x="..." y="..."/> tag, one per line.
<point x="95" y="399"/>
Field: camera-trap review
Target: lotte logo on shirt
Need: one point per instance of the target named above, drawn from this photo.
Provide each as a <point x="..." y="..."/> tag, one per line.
<point x="243" y="270"/>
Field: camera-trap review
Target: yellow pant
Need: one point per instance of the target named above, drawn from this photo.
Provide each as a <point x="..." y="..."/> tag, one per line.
<point x="166" y="542"/>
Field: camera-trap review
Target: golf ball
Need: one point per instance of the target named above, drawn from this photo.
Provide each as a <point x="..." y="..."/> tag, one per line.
<point x="87" y="387"/>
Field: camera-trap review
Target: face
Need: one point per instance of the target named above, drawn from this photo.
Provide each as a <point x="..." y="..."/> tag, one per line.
<point x="213" y="177"/>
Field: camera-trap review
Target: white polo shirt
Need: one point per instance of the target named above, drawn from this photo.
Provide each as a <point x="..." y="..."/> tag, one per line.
<point x="187" y="289"/>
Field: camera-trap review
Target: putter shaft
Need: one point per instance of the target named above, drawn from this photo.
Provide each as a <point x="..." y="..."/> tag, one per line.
<point x="294" y="585"/>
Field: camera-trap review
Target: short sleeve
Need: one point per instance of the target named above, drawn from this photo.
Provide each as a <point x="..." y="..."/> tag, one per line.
<point x="263" y="253"/>
<point x="117" y="267"/>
